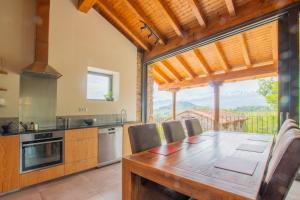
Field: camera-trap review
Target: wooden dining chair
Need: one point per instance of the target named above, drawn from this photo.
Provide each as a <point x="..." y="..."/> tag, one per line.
<point x="173" y="131"/>
<point x="283" y="167"/>
<point x="144" y="137"/>
<point x="193" y="127"/>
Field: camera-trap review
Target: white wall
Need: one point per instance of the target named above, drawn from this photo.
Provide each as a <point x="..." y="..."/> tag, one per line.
<point x="17" y="34"/>
<point x="78" y="40"/>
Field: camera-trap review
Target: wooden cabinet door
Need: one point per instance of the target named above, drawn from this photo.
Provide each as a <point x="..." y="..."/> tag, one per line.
<point x="81" y="149"/>
<point x="1" y="163"/>
<point x="10" y="163"/>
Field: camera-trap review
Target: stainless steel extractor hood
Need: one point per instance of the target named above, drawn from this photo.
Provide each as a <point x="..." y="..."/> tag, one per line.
<point x="41" y="69"/>
<point x="40" y="66"/>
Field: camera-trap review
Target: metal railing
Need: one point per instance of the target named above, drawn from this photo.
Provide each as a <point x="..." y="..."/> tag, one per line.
<point x="250" y="122"/>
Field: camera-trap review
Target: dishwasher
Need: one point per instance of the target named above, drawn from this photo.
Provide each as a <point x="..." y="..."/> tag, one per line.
<point x="109" y="145"/>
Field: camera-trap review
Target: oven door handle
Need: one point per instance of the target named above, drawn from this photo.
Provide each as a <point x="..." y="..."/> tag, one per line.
<point x="38" y="143"/>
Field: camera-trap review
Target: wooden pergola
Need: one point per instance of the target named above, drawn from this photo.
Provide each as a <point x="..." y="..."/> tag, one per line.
<point x="245" y="56"/>
<point x="159" y="27"/>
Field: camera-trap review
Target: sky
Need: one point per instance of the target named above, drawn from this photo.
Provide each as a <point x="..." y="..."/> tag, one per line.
<point x="242" y="93"/>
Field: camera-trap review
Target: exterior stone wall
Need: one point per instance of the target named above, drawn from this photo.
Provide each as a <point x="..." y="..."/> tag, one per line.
<point x="139" y="86"/>
<point x="150" y="84"/>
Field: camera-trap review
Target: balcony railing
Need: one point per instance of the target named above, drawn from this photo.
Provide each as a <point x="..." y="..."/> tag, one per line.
<point x="250" y="122"/>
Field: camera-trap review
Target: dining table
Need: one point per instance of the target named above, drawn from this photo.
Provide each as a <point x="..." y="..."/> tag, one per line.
<point x="213" y="165"/>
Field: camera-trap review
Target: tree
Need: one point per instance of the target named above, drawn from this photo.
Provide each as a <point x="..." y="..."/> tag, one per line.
<point x="268" y="88"/>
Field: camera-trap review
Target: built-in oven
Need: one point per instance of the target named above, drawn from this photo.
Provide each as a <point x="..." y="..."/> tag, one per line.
<point x="41" y="150"/>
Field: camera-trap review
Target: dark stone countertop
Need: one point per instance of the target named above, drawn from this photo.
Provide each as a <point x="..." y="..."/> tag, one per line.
<point x="118" y="124"/>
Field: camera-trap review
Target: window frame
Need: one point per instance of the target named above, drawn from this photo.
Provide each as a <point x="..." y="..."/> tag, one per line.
<point x="110" y="87"/>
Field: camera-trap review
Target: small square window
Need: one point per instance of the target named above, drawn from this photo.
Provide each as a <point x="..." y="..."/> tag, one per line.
<point x="99" y="86"/>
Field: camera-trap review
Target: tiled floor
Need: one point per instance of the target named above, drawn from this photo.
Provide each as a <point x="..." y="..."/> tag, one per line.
<point x="99" y="184"/>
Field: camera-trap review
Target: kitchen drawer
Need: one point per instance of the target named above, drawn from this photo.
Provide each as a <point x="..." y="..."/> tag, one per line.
<point x="79" y="134"/>
<point x="42" y="175"/>
<point x="82" y="165"/>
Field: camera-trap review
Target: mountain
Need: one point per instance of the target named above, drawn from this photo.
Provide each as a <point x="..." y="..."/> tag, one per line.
<point x="227" y="101"/>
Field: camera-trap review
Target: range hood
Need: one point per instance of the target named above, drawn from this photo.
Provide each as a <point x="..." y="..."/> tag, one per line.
<point x="40" y="66"/>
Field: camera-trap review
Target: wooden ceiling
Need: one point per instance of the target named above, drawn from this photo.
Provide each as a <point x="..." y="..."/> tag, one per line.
<point x="248" y="55"/>
<point x="177" y="22"/>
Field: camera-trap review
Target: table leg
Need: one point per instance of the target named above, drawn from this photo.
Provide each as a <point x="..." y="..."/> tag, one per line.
<point x="130" y="183"/>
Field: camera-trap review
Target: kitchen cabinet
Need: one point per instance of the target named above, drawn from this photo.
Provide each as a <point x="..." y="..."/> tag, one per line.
<point x="126" y="142"/>
<point x="81" y="149"/>
<point x="41" y="175"/>
<point x="9" y="163"/>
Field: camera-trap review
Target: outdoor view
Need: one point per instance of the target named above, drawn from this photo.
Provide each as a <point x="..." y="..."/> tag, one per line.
<point x="247" y="106"/>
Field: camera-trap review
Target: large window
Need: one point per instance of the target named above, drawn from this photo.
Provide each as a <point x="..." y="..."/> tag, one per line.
<point x="99" y="86"/>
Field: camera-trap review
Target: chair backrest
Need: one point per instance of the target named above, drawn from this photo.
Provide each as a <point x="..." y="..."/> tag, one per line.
<point x="173" y="131"/>
<point x="283" y="166"/>
<point x="193" y="127"/>
<point x="143" y="137"/>
<point x="287" y="125"/>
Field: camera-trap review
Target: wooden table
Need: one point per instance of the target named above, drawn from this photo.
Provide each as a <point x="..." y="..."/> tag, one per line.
<point x="192" y="170"/>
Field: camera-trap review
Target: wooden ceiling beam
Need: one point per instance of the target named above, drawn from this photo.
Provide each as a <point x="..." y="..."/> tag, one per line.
<point x="245" y="51"/>
<point x="103" y="6"/>
<point x="171" y="69"/>
<point x="162" y="74"/>
<point x="230" y="7"/>
<point x="139" y="12"/>
<point x="194" y="4"/>
<point x="221" y="56"/>
<point x="203" y="64"/>
<point x="186" y="66"/>
<point x="232" y="76"/>
<point x="251" y="10"/>
<point x="171" y="17"/>
<point x="85" y="5"/>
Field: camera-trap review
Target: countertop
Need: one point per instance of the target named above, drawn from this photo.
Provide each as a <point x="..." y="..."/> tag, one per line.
<point x="118" y="124"/>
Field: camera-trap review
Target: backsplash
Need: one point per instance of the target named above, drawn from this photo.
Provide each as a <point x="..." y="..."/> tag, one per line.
<point x="78" y="120"/>
<point x="38" y="100"/>
<point x="75" y="121"/>
<point x="14" y="128"/>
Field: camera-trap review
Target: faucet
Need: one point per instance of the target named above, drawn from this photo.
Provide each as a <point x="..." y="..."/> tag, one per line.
<point x="123" y="116"/>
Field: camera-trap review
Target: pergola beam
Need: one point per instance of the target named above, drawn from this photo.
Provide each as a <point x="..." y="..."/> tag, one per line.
<point x="186" y="66"/>
<point x="171" y="69"/>
<point x="275" y="42"/>
<point x="156" y="79"/>
<point x="230" y="7"/>
<point x="245" y="51"/>
<point x="139" y="12"/>
<point x="122" y="25"/>
<point x="232" y="76"/>
<point x="194" y="4"/>
<point x="203" y="64"/>
<point x="162" y="74"/>
<point x="85" y="5"/>
<point x="221" y="56"/>
<point x="170" y="17"/>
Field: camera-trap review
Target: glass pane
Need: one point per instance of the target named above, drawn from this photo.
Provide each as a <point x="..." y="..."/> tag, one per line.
<point x="98" y="86"/>
<point x="42" y="154"/>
